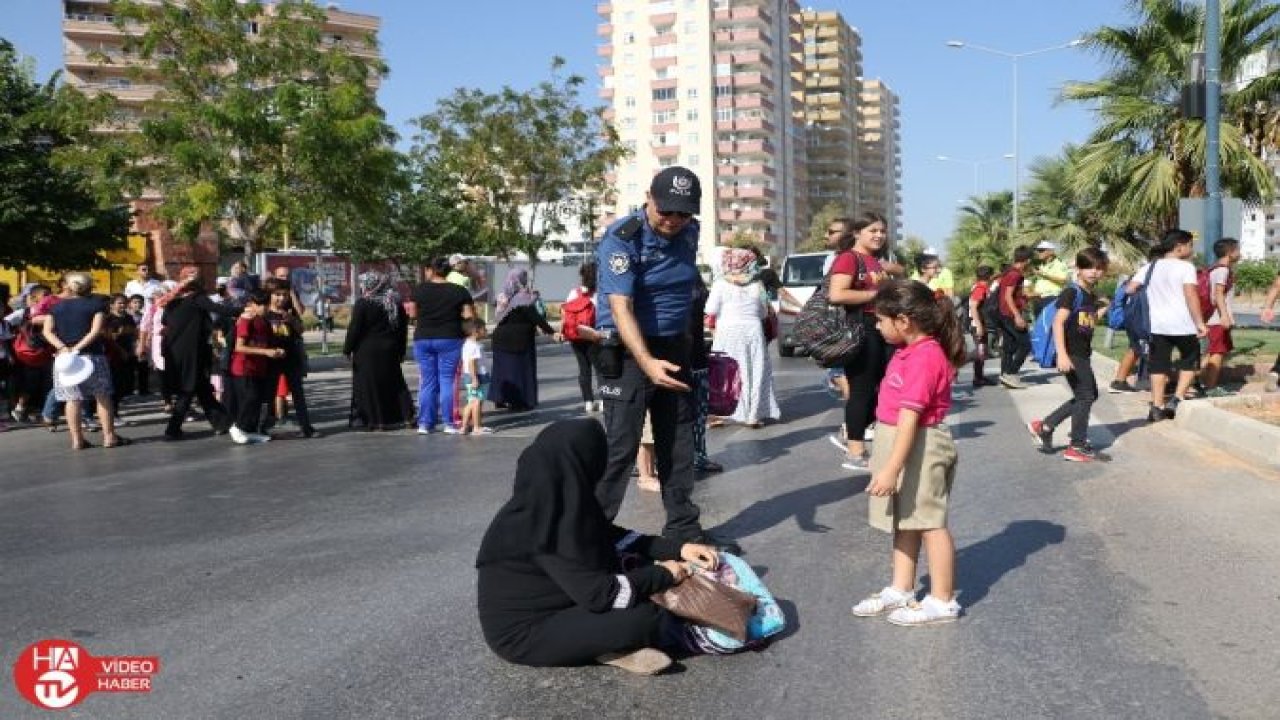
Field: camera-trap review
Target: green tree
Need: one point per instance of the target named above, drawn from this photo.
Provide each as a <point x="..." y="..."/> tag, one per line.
<point x="528" y="160"/>
<point x="1056" y="209"/>
<point x="262" y="132"/>
<point x="981" y="236"/>
<point x="1144" y="155"/>
<point x="51" y="214"/>
<point x="910" y="249"/>
<point x="817" y="239"/>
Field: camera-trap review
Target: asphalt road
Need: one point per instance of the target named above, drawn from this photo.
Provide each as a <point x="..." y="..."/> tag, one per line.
<point x="333" y="577"/>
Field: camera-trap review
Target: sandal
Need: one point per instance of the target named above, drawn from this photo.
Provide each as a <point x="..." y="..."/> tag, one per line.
<point x="120" y="442"/>
<point x="84" y="445"/>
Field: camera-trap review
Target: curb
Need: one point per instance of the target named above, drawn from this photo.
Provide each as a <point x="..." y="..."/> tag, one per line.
<point x="1235" y="433"/>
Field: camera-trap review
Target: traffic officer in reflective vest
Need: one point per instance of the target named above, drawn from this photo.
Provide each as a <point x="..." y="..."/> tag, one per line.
<point x="647" y="271"/>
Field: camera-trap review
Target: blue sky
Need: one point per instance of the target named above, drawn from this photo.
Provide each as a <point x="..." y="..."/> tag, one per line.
<point x="954" y="102"/>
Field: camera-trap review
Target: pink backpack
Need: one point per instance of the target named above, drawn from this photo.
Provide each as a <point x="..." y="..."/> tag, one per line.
<point x="724" y="382"/>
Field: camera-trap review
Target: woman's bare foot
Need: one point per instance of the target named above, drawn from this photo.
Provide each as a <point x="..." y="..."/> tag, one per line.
<point x="649" y="483"/>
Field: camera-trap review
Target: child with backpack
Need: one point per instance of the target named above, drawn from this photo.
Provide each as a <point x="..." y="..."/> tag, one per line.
<point x="913" y="460"/>
<point x="250" y="371"/>
<point x="977" y="323"/>
<point x="1075" y="316"/>
<point x="1214" y="284"/>
<point x="1011" y="304"/>
<point x="578" y="312"/>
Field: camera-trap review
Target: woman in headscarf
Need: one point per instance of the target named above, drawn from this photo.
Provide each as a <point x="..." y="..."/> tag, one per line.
<point x="377" y="337"/>
<point x="552" y="590"/>
<point x="736" y="311"/>
<point x="441" y="307"/>
<point x="514" y="381"/>
<point x="187" y="323"/>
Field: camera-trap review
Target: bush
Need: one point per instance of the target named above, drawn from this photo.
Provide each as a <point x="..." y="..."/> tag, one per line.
<point x="1254" y="275"/>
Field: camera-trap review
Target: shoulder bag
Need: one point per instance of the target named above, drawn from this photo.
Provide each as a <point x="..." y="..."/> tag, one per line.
<point x="829" y="332"/>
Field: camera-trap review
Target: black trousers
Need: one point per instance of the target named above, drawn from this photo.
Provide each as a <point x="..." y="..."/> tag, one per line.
<point x="1084" y="392"/>
<point x="251" y="393"/>
<point x="1016" y="346"/>
<point x="864" y="371"/>
<point x="577" y="636"/>
<point x="213" y="410"/>
<point x="142" y="375"/>
<point x="626" y="398"/>
<point x="292" y="373"/>
<point x="582" y="353"/>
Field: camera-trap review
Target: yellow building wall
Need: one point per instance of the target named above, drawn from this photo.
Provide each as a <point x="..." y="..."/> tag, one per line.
<point x="104" y="281"/>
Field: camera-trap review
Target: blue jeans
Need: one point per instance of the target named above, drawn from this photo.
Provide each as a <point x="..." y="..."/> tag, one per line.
<point x="437" y="360"/>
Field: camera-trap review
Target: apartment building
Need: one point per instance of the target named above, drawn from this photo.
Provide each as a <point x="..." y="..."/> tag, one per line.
<point x="1260" y="226"/>
<point x="709" y="84"/>
<point x="95" y="61"/>
<point x="830" y="95"/>
<point x="880" y="162"/>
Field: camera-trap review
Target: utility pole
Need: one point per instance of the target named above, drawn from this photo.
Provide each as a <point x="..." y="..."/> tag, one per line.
<point x="1212" y="113"/>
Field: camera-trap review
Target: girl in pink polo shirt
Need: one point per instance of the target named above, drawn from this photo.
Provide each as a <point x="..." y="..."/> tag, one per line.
<point x="913" y="460"/>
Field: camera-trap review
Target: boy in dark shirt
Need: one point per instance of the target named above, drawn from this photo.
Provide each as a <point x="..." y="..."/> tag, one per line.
<point x="1073" y="324"/>
<point x="250" y="370"/>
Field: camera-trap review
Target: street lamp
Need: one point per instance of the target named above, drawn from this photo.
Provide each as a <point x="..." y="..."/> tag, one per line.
<point x="976" y="165"/>
<point x="1017" y="168"/>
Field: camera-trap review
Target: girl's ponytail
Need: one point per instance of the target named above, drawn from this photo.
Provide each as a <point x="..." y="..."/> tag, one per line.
<point x="935" y="317"/>
<point x="949" y="335"/>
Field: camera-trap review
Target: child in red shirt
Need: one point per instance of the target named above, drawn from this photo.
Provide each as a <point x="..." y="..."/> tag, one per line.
<point x="250" y="369"/>
<point x="913" y="460"/>
<point x="978" y="324"/>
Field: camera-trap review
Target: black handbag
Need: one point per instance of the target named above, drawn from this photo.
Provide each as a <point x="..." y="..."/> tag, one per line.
<point x="828" y="332"/>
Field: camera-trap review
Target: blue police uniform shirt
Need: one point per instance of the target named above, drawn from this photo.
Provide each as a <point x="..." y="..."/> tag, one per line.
<point x="657" y="273"/>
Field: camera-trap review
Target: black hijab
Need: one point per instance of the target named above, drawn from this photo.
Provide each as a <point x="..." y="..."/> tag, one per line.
<point x="553" y="509"/>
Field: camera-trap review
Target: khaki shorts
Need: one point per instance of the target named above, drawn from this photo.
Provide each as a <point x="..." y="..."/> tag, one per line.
<point x="925" y="485"/>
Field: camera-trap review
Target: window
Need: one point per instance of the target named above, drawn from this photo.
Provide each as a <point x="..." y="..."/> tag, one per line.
<point x="723" y="69"/>
<point x="629" y="145"/>
<point x="724" y="90"/>
<point x="666" y="162"/>
<point x="724" y="114"/>
<point x="628" y="38"/>
<point x="661" y="94"/>
<point x="251" y="27"/>
<point x="628" y="58"/>
<point x="691" y="114"/>
<point x="691" y="93"/>
<point x="664" y="117"/>
<point x="628" y="123"/>
<point x="691" y="138"/>
<point x="693" y="159"/>
<point x="664" y="51"/>
<point x="628" y="101"/>
<point x="691" y="27"/>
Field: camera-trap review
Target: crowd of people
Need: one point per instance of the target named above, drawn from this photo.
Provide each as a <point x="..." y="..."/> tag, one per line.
<point x="553" y="585"/>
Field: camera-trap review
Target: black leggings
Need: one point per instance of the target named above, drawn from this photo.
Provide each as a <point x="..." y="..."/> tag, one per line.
<point x="1084" y="391"/>
<point x="577" y="636"/>
<point x="1017" y="345"/>
<point x="864" y="372"/>
<point x="582" y="353"/>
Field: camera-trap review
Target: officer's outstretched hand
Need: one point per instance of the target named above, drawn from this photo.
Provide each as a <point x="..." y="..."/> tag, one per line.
<point x="660" y="373"/>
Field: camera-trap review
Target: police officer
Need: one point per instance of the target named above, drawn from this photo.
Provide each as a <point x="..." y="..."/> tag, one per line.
<point x="647" y="273"/>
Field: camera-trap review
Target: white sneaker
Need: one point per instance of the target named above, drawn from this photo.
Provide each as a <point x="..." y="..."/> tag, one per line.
<point x="857" y="463"/>
<point x="887" y="600"/>
<point x="589" y="407"/>
<point x="238" y="436"/>
<point x="482" y="431"/>
<point x="930" y="611"/>
<point x="869" y="434"/>
<point x="1013" y="382"/>
<point x="424" y="430"/>
<point x="840" y="444"/>
<point x="452" y="430"/>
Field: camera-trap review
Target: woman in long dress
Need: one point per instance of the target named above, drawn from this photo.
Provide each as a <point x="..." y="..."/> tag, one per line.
<point x="187" y="323"/>
<point x="514" y="382"/>
<point x="552" y="590"/>
<point x="736" y="310"/>
<point x="377" y="338"/>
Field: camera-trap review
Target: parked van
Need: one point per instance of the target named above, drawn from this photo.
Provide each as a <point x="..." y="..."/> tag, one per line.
<point x="802" y="274"/>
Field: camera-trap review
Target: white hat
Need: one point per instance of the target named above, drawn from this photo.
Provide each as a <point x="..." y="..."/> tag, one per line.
<point x="72" y="368"/>
<point x="931" y="252"/>
<point x="1046" y="245"/>
<point x="456" y="258"/>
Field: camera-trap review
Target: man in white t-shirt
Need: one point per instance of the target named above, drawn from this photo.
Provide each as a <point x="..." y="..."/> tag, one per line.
<point x="142" y="284"/>
<point x="1226" y="253"/>
<point x="1176" y="321"/>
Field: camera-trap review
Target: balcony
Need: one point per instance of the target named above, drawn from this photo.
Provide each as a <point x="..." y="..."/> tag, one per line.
<point x="605" y="50"/>
<point x="665" y="19"/>
<point x="663" y="83"/>
<point x="604" y="9"/>
<point x="96" y="26"/>
<point x="665" y="39"/>
<point x="745" y="125"/>
<point x="665" y="105"/>
<point x="606" y="93"/>
<point x="604" y="29"/>
<point x="735" y="38"/>
<point x="746" y="171"/>
<point x="666" y="151"/>
<point x="662" y="62"/>
<point x="745" y="147"/>
<point x="134" y="93"/>
<point x="746" y="215"/>
<point x="748" y="192"/>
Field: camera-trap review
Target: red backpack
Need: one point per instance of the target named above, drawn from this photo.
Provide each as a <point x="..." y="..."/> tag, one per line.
<point x="1204" y="289"/>
<point x="579" y="311"/>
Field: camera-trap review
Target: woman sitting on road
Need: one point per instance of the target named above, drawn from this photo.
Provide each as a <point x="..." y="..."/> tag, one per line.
<point x="552" y="590"/>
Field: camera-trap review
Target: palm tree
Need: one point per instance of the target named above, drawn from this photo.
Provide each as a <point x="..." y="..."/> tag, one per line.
<point x="1144" y="155"/>
<point x="1054" y="209"/>
<point x="981" y="236"/>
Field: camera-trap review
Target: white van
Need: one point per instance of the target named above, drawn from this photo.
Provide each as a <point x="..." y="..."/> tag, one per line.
<point x="801" y="274"/>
